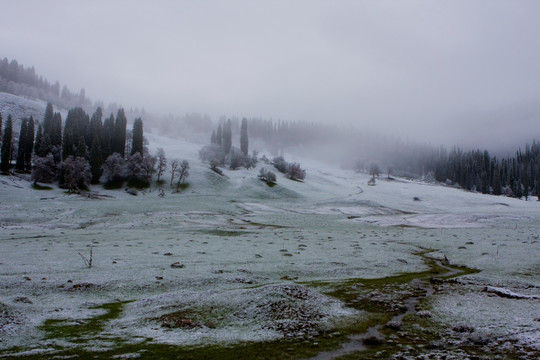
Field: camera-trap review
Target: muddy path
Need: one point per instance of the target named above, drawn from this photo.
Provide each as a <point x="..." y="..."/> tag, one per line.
<point x="411" y="292"/>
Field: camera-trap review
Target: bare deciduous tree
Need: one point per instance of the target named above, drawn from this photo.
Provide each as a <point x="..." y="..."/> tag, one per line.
<point x="161" y="162"/>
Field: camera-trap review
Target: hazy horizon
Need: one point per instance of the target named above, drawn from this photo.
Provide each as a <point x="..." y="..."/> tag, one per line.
<point x="445" y="72"/>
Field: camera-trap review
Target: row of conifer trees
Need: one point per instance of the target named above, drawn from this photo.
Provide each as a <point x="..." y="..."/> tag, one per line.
<point x="89" y="139"/>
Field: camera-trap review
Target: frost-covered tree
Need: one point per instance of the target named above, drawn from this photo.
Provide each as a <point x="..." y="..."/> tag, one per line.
<point x="174" y="168"/>
<point x="267" y="176"/>
<point x="236" y="159"/>
<point x="74" y="174"/>
<point x="134" y="167"/>
<point x="212" y="153"/>
<point x="161" y="163"/>
<point x="113" y="169"/>
<point x="6" y="146"/>
<point x="44" y="169"/>
<point x="183" y="173"/>
<point x="374" y="169"/>
<point x="148" y="166"/>
<point x="295" y="172"/>
<point x="280" y="164"/>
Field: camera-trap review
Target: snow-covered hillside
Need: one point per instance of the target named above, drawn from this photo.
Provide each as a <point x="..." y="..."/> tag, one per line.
<point x="232" y="247"/>
<point x="19" y="107"/>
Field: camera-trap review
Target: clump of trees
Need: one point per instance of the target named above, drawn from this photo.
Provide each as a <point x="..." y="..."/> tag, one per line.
<point x="292" y="170"/>
<point x="220" y="152"/>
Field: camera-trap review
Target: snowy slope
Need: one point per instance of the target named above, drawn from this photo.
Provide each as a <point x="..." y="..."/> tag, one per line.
<point x="241" y="242"/>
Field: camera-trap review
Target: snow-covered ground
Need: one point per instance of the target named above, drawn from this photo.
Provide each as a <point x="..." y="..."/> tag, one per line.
<point x="244" y="245"/>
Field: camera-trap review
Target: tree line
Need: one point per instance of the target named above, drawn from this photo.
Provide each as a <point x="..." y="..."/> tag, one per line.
<point x="19" y="80"/>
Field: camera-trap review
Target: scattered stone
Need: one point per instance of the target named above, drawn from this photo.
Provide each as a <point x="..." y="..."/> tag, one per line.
<point x="394" y="324"/>
<point x="424" y="314"/>
<point x="177" y="265"/>
<point x="210" y="324"/>
<point x="159" y="277"/>
<point x="167" y="254"/>
<point x="462" y="328"/>
<point x="82" y="286"/>
<point x="258" y="256"/>
<point x="479" y="340"/>
<point x="27" y="278"/>
<point x="23" y="299"/>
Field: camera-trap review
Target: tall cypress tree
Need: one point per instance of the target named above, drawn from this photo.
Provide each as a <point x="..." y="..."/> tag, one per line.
<point x="29" y="145"/>
<point x="56" y="130"/>
<point x="48" y="124"/>
<point x="244" y="137"/>
<point x="39" y="139"/>
<point x="107" y="136"/>
<point x="219" y="135"/>
<point x="6" y="146"/>
<point x="137" y="141"/>
<point x="227" y="137"/>
<point x="119" y="140"/>
<point x="19" y="165"/>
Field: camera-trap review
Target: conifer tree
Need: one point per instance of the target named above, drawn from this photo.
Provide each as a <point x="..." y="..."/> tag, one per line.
<point x="137" y="142"/>
<point x="56" y="131"/>
<point x="39" y="139"/>
<point x="107" y="136"/>
<point x="6" y="146"/>
<point x="227" y="137"/>
<point x="96" y="150"/>
<point x="29" y="145"/>
<point x="219" y="135"/>
<point x="244" y="137"/>
<point x="496" y="181"/>
<point x="19" y="165"/>
<point x="48" y="125"/>
<point x="119" y="139"/>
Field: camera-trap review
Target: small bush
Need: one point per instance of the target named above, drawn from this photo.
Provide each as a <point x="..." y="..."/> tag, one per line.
<point x="280" y="164"/>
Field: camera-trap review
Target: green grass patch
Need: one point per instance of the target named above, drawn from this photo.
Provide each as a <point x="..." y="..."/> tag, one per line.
<point x="41" y="187"/>
<point x="113" y="185"/>
<point x="219" y="232"/>
<point x="79" y="329"/>
<point x="138" y="184"/>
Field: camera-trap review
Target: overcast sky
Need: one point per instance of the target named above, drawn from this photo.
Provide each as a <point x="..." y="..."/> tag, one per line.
<point x="430" y="70"/>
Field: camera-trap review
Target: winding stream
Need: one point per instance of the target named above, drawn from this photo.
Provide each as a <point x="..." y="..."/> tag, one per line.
<point x="356" y="342"/>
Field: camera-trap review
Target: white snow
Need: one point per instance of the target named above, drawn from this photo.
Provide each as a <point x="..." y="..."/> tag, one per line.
<point x="240" y="239"/>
